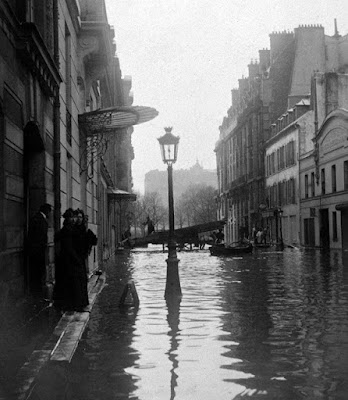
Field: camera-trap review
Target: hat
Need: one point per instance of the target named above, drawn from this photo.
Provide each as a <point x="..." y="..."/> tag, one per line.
<point x="69" y="213"/>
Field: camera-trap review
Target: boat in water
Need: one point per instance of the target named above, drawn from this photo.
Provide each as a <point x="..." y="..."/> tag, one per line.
<point x="222" y="249"/>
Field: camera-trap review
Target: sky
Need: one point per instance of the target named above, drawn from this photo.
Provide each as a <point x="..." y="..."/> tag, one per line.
<point x="185" y="57"/>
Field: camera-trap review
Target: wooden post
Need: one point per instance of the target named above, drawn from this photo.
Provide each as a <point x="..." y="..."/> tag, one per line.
<point x="130" y="291"/>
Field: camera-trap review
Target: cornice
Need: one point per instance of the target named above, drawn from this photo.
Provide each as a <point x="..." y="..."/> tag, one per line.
<point x="32" y="50"/>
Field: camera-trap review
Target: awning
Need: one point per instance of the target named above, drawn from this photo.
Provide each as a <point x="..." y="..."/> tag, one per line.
<point x="342" y="206"/>
<point x="107" y="119"/>
<point x="120" y="195"/>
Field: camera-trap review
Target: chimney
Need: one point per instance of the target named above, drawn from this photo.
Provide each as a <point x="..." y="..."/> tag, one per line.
<point x="265" y="58"/>
<point x="253" y="69"/>
<point x="243" y="85"/>
<point x="279" y="41"/>
<point x="235" y="97"/>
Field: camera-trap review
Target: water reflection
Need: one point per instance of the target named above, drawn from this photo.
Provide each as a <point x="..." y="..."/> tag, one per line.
<point x="173" y="307"/>
<point x="270" y="325"/>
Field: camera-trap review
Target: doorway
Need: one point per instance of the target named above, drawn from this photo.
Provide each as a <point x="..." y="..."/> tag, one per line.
<point x="344" y="227"/>
<point x="309" y="233"/>
<point x="34" y="180"/>
<point x="324" y="229"/>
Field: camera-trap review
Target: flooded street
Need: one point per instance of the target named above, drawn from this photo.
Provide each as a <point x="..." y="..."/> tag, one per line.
<point x="269" y="325"/>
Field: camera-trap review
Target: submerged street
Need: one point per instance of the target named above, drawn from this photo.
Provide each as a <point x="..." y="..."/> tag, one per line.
<point x="269" y="325"/>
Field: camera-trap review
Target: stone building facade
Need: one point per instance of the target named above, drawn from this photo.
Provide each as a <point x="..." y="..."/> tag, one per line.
<point x="281" y="213"/>
<point x="277" y="82"/>
<point x="157" y="181"/>
<point x="324" y="165"/>
<point x="58" y="65"/>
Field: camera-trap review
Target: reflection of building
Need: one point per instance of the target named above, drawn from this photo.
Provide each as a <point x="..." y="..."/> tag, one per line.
<point x="58" y="64"/>
<point x="272" y="93"/>
<point x="324" y="169"/>
<point x="157" y="181"/>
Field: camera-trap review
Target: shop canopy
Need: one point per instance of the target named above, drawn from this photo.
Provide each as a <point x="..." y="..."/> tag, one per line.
<point x="120" y="195"/>
<point x="108" y="119"/>
<point x="342" y="206"/>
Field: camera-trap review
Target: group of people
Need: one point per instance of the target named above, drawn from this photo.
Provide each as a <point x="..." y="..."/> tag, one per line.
<point x="74" y="243"/>
<point x="260" y="235"/>
<point x="218" y="237"/>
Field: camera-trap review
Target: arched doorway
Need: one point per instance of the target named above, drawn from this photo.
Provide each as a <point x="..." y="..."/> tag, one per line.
<point x="34" y="182"/>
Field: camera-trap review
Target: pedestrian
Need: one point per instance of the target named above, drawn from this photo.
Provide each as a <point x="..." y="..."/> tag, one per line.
<point x="83" y="240"/>
<point x="150" y="226"/>
<point x="65" y="255"/>
<point x="125" y="238"/>
<point x="220" y="236"/>
<point x="254" y="232"/>
<point x="202" y="242"/>
<point x="37" y="251"/>
<point x="264" y="236"/>
<point x="259" y="236"/>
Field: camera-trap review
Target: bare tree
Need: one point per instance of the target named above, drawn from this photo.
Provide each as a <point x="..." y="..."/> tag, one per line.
<point x="138" y="211"/>
<point x="196" y="205"/>
<point x="155" y="209"/>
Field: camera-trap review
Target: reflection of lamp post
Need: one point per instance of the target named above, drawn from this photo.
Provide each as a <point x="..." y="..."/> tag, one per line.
<point x="278" y="213"/>
<point x="173" y="305"/>
<point x="169" y="148"/>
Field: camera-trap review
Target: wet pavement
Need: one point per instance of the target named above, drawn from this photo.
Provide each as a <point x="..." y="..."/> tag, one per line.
<point x="270" y="325"/>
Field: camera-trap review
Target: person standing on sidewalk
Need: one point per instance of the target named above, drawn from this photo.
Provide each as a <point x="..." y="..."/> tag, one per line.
<point x="84" y="239"/>
<point x="65" y="255"/>
<point x="37" y="249"/>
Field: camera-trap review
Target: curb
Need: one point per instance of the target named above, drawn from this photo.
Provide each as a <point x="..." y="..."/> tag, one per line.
<point x="61" y="345"/>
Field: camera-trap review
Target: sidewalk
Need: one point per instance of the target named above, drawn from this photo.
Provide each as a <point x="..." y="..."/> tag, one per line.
<point x="54" y="337"/>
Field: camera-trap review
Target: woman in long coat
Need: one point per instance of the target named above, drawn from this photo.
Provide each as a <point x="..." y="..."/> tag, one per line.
<point x="66" y="257"/>
<point x="84" y="239"/>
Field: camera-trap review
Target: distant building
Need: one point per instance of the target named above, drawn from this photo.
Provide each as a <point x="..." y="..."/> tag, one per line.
<point x="253" y="131"/>
<point x="324" y="166"/>
<point x="157" y="181"/>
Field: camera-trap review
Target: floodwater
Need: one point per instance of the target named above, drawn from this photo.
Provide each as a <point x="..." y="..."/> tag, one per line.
<point x="269" y="325"/>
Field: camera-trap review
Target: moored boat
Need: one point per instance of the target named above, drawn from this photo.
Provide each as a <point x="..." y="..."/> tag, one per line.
<point x="232" y="249"/>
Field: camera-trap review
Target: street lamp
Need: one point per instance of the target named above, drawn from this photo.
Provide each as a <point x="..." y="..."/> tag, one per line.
<point x="278" y="213"/>
<point x="169" y="149"/>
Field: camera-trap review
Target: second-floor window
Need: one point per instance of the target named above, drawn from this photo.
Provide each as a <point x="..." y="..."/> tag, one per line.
<point x="312" y="184"/>
<point x="322" y="181"/>
<point x="333" y="178"/>
<point x="345" y="174"/>
<point x="306" y="186"/>
<point x="334" y="226"/>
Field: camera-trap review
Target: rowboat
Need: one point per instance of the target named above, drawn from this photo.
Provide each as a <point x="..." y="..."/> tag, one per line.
<point x="222" y="249"/>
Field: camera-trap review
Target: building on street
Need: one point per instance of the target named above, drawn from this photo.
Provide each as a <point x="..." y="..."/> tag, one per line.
<point x="66" y="120"/>
<point x="324" y="169"/>
<point x="271" y="122"/>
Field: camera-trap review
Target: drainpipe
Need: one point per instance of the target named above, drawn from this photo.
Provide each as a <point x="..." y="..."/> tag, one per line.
<point x="299" y="230"/>
<point x="56" y="127"/>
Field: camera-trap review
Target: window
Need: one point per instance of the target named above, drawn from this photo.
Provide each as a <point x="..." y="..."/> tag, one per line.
<point x="312" y="184"/>
<point x="334" y="226"/>
<point x="345" y="168"/>
<point x="306" y="186"/>
<point x="68" y="84"/>
<point x="323" y="181"/>
<point x="69" y="181"/>
<point x="292" y="191"/>
<point x="333" y="178"/>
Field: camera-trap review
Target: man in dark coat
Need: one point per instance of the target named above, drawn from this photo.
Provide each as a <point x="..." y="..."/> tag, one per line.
<point x="37" y="249"/>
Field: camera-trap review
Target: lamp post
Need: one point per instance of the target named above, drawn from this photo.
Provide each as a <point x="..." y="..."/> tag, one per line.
<point x="169" y="149"/>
